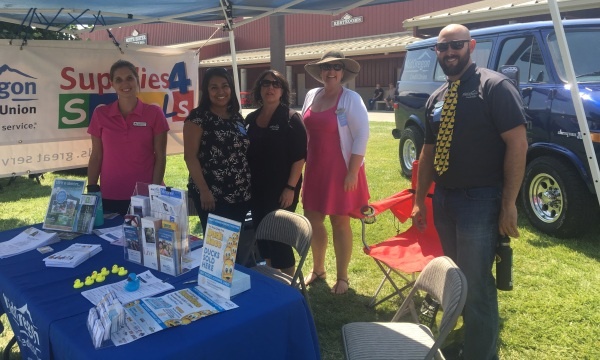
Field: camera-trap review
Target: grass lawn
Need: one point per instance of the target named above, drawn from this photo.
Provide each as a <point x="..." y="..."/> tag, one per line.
<point x="552" y="313"/>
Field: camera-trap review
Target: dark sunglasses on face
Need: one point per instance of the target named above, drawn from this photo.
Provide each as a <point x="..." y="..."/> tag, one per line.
<point x="266" y="83"/>
<point x="454" y="44"/>
<point x="327" y="67"/>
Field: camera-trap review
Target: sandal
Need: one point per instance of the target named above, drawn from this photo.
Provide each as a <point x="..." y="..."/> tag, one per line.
<point x="334" y="289"/>
<point x="314" y="276"/>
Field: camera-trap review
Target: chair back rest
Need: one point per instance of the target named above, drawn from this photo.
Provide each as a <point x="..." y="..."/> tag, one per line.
<point x="288" y="228"/>
<point x="446" y="283"/>
<point x="414" y="180"/>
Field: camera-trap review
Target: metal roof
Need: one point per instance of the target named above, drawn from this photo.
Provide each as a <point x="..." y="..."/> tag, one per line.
<point x="489" y="10"/>
<point x="368" y="45"/>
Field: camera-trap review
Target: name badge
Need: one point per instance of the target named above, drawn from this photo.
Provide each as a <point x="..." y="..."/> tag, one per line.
<point x="342" y="119"/>
<point x="139" y="123"/>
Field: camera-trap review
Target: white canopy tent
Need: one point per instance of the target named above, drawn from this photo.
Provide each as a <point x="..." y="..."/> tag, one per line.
<point x="64" y="16"/>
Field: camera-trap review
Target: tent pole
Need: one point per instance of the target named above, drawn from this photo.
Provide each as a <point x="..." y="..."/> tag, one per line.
<point x="579" y="111"/>
<point x="234" y="66"/>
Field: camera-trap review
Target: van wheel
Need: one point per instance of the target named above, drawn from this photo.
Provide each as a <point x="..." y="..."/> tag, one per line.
<point x="555" y="198"/>
<point x="411" y="142"/>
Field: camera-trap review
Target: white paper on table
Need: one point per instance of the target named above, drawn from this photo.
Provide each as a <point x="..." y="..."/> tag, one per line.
<point x="111" y="234"/>
<point x="150" y="285"/>
<point x="149" y="315"/>
<point x="27" y="240"/>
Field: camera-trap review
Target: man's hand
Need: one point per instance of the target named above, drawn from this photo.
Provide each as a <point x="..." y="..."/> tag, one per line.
<point x="507" y="223"/>
<point x="419" y="216"/>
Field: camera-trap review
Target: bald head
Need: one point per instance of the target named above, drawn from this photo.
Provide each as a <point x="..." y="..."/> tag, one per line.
<point x="454" y="31"/>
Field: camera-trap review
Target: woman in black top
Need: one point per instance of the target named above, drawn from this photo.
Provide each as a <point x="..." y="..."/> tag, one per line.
<point x="215" y="145"/>
<point x="276" y="156"/>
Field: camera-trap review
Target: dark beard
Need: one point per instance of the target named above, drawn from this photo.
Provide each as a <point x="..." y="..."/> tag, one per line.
<point x="460" y="66"/>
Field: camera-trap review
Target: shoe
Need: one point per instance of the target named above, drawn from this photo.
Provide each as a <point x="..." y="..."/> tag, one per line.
<point x="313" y="276"/>
<point x="338" y="283"/>
<point x="453" y="351"/>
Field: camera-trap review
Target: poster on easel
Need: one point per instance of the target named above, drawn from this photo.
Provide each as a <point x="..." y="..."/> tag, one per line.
<point x="221" y="239"/>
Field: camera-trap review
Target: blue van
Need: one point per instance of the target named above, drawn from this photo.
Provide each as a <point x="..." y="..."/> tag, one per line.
<point x="557" y="194"/>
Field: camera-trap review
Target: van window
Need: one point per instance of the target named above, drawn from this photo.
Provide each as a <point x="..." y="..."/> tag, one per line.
<point x="482" y="52"/>
<point x="418" y="65"/>
<point x="525" y="53"/>
<point x="480" y="56"/>
<point x="584" y="46"/>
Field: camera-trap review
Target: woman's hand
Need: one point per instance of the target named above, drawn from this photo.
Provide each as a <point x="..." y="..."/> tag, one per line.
<point x="350" y="182"/>
<point x="207" y="200"/>
<point x="286" y="198"/>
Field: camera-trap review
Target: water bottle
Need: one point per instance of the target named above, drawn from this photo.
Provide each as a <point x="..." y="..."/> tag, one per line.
<point x="428" y="311"/>
<point x="95" y="190"/>
<point x="504" y="264"/>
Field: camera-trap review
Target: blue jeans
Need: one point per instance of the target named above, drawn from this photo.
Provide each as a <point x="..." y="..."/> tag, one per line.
<point x="467" y="223"/>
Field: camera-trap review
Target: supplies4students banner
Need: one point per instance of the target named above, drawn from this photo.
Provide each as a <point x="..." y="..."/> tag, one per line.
<point x="49" y="90"/>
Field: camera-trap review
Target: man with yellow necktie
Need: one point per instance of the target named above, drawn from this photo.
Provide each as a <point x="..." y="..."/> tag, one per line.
<point x="475" y="150"/>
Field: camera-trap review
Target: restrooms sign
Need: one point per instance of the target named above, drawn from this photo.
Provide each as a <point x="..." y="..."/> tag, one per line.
<point x="49" y="90"/>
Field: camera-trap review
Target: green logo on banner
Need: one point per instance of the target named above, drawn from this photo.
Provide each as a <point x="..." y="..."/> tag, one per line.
<point x="73" y="111"/>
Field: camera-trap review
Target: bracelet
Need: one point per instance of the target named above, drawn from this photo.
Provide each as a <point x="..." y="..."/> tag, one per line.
<point x="290" y="187"/>
<point x="93" y="188"/>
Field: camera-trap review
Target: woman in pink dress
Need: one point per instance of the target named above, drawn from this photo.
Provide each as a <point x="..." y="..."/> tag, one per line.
<point x="337" y="124"/>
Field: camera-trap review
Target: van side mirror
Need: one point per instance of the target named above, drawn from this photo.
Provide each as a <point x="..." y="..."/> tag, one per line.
<point x="511" y="72"/>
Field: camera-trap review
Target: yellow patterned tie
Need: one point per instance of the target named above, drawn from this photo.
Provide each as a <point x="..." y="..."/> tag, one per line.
<point x="444" y="137"/>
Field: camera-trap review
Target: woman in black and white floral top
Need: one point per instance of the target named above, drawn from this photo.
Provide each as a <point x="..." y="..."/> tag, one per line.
<point x="215" y="146"/>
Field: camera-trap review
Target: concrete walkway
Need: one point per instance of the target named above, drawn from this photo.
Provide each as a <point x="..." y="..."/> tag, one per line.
<point x="386" y="116"/>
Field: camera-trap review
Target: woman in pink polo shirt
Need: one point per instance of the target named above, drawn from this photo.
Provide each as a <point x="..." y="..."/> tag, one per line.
<point x="129" y="142"/>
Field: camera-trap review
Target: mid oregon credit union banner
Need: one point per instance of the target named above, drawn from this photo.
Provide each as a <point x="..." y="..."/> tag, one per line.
<point x="49" y="90"/>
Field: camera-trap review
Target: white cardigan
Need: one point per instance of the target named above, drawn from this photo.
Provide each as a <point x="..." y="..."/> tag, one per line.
<point x="353" y="122"/>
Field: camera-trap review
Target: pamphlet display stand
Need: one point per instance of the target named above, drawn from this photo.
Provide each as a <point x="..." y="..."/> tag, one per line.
<point x="156" y="228"/>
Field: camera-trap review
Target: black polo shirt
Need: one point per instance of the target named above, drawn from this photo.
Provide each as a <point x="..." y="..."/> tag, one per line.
<point x="488" y="105"/>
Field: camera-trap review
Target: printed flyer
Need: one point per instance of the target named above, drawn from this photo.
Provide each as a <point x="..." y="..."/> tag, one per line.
<point x="147" y="316"/>
<point x="64" y="204"/>
<point x="215" y="273"/>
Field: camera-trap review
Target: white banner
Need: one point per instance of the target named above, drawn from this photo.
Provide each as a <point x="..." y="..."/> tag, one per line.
<point x="49" y="90"/>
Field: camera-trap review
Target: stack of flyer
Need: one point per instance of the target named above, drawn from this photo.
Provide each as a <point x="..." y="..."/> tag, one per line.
<point x="27" y="240"/>
<point x="73" y="255"/>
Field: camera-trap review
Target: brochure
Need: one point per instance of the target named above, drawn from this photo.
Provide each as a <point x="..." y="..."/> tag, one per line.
<point x="150" y="285"/>
<point x="73" y="255"/>
<point x="215" y="273"/>
<point x="111" y="234"/>
<point x="133" y="238"/>
<point x="150" y="315"/>
<point x="69" y="208"/>
<point x="86" y="214"/>
<point x="27" y="240"/>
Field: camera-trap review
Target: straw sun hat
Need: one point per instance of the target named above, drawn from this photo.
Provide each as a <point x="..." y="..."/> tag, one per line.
<point x="351" y="67"/>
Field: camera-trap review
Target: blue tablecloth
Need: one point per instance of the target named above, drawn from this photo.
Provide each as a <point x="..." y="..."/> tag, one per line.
<point x="49" y="316"/>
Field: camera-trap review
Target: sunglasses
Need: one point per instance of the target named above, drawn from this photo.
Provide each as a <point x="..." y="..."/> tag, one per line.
<point x="266" y="83"/>
<point x="327" y="67"/>
<point x="454" y="44"/>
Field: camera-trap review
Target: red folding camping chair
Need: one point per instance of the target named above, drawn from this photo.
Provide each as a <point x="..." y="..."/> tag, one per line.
<point x="408" y="252"/>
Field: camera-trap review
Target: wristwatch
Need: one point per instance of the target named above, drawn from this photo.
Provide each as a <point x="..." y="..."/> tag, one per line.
<point x="290" y="187"/>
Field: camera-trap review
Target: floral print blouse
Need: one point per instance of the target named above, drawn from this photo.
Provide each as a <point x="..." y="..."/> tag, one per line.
<point x="222" y="155"/>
